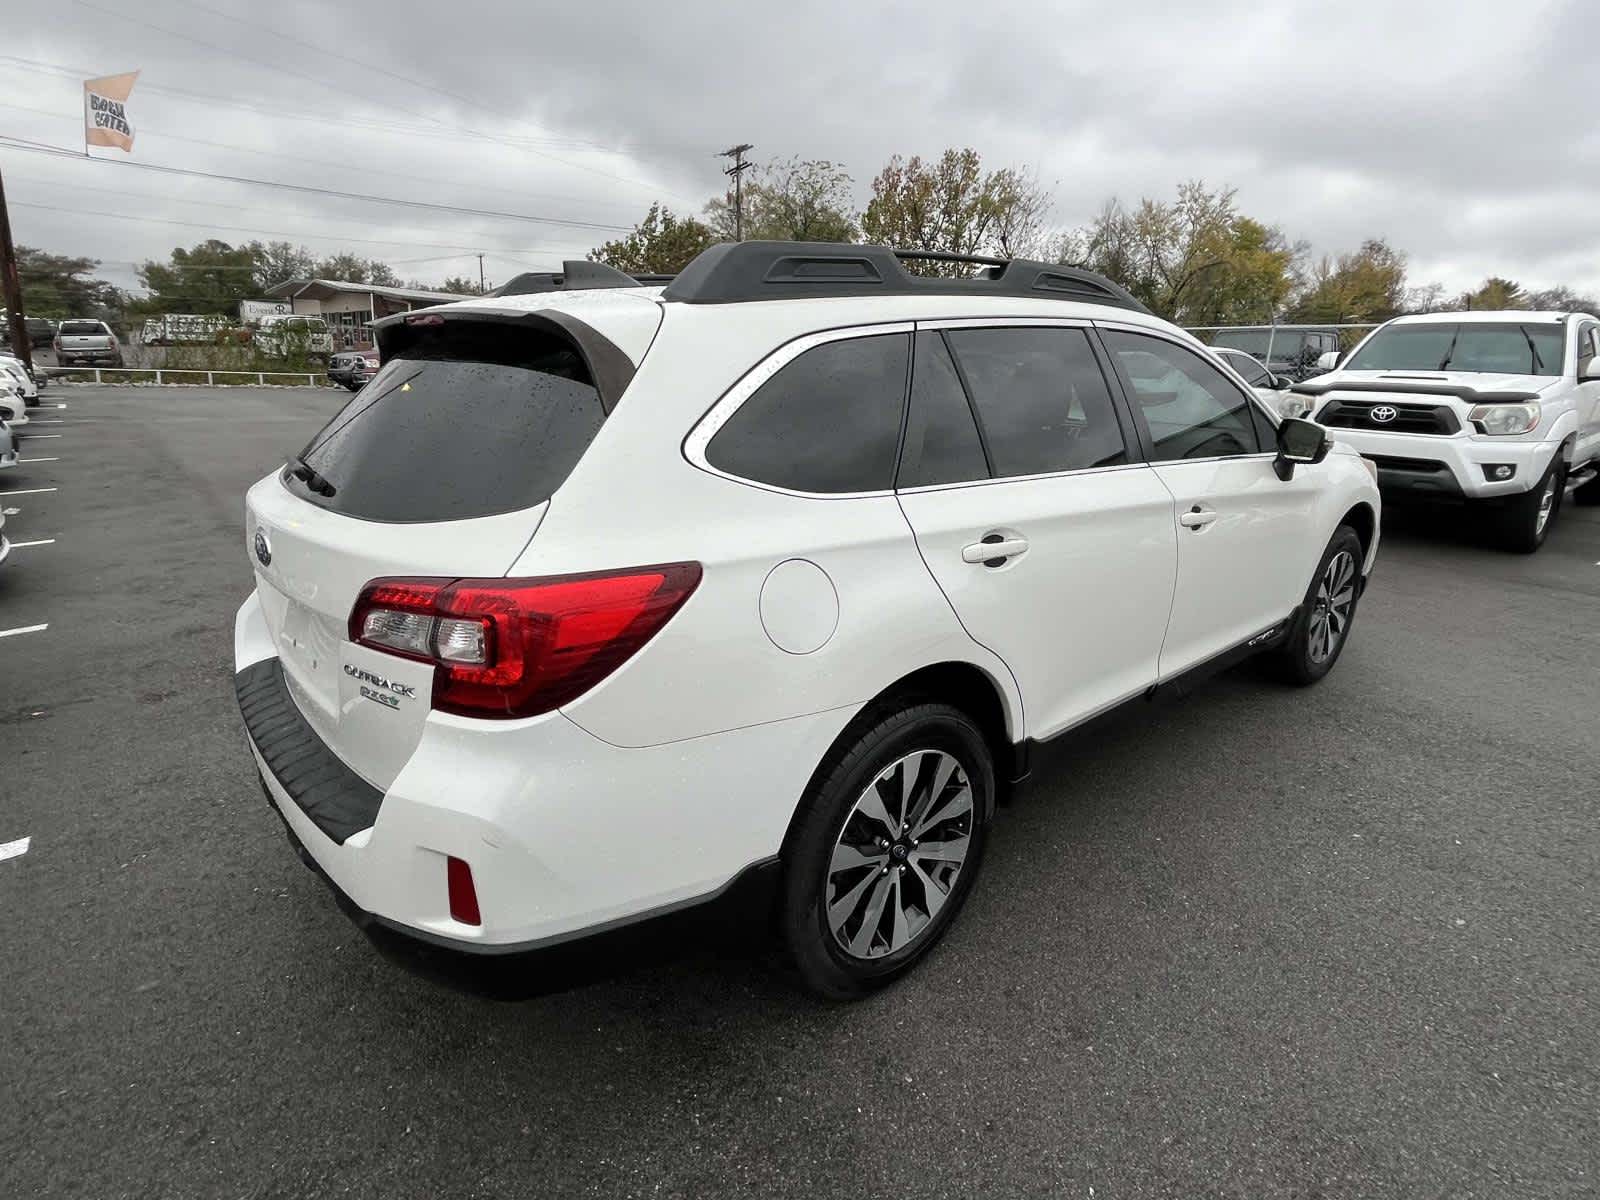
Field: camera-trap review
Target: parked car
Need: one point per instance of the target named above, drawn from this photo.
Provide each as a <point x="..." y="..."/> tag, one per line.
<point x="5" y="546"/>
<point x="87" y="344"/>
<point x="8" y="447"/>
<point x="754" y="593"/>
<point x="41" y="332"/>
<point x="1500" y="410"/>
<point x="1290" y="351"/>
<point x="353" y="368"/>
<point x="280" y="337"/>
<point x="1273" y="390"/>
<point x="13" y="408"/>
<point x="26" y="387"/>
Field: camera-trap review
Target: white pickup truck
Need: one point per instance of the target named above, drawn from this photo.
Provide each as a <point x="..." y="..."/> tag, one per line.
<point x="1500" y="410"/>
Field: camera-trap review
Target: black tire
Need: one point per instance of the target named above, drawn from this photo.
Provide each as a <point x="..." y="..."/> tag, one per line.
<point x="1589" y="493"/>
<point x="1302" y="658"/>
<point x="920" y="735"/>
<point x="1520" y="526"/>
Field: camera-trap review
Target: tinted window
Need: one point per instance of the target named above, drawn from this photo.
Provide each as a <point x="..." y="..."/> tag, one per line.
<point x="1193" y="411"/>
<point x="1041" y="398"/>
<point x="1513" y="349"/>
<point x="465" y="423"/>
<point x="1253" y="372"/>
<point x="942" y="443"/>
<point x="827" y="422"/>
<point x="80" y="328"/>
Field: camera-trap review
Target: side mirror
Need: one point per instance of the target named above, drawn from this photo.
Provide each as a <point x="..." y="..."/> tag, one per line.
<point x="1328" y="361"/>
<point x="1299" y="441"/>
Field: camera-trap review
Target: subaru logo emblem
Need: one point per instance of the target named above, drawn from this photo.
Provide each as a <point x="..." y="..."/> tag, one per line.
<point x="1384" y="413"/>
<point x="263" y="549"/>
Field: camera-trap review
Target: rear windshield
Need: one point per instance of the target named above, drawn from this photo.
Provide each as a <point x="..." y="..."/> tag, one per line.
<point x="1509" y="349"/>
<point x="467" y="422"/>
<point x="81" y="327"/>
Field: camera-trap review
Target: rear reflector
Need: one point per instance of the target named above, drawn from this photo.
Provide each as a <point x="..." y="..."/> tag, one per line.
<point x="519" y="647"/>
<point x="463" y="896"/>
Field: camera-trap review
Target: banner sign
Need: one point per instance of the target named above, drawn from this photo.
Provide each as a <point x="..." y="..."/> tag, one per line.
<point x="105" y="111"/>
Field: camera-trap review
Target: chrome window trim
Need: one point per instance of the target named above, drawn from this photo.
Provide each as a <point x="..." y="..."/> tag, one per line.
<point x="967" y="483"/>
<point x="720" y="413"/>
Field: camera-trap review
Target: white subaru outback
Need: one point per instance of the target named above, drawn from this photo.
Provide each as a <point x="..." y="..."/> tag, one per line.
<point x="610" y="606"/>
<point x="1497" y="409"/>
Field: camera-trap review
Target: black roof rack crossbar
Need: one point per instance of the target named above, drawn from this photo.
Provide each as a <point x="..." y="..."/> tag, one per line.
<point x="731" y="272"/>
<point x="575" y="274"/>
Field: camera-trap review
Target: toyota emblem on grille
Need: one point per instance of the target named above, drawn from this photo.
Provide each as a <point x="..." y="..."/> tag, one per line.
<point x="1384" y="413"/>
<point x="263" y="549"/>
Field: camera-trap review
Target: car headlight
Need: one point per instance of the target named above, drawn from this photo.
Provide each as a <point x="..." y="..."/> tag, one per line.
<point x="1505" y="420"/>
<point x="1294" y="406"/>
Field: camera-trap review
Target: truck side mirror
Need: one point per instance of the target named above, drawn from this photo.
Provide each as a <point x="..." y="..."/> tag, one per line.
<point x="1329" y="360"/>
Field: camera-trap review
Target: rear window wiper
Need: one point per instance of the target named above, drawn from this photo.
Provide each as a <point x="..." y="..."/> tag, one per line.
<point x="305" y="472"/>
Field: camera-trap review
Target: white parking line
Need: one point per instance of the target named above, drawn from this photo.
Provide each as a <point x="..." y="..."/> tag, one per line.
<point x="44" y="421"/>
<point x="28" y="492"/>
<point x="40" y="542"/>
<point x="61" y="405"/>
<point x="24" y="629"/>
<point x="34" y="460"/>
<point x="14" y="849"/>
<point x="39" y="437"/>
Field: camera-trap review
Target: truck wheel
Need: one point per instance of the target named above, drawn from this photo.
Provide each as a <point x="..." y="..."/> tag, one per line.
<point x="1526" y="521"/>
<point x="889" y="840"/>
<point x="1318" y="635"/>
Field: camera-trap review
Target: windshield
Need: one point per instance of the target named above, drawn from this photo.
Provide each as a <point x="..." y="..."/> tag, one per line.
<point x="1502" y="349"/>
<point x="1286" y="343"/>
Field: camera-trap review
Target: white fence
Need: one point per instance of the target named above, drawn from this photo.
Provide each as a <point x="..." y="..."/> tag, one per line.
<point x="164" y="376"/>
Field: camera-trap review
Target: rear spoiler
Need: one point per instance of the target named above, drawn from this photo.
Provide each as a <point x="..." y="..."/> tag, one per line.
<point x="1320" y="387"/>
<point x="610" y="368"/>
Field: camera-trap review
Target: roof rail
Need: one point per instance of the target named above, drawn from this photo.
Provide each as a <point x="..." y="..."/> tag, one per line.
<point x="575" y="274"/>
<point x="737" y="271"/>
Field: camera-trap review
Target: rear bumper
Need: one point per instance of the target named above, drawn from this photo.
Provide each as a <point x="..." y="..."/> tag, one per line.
<point x="568" y="837"/>
<point x="1424" y="467"/>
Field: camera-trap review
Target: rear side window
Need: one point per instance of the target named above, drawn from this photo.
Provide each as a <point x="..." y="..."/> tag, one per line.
<point x="942" y="444"/>
<point x="1041" y="398"/>
<point x="827" y="422"/>
<point x="81" y="327"/>
<point x="468" y="422"/>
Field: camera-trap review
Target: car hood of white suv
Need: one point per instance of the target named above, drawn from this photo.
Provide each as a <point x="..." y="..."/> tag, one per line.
<point x="1369" y="383"/>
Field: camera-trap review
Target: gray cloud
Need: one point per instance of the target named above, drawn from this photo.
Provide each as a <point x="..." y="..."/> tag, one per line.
<point x="1460" y="131"/>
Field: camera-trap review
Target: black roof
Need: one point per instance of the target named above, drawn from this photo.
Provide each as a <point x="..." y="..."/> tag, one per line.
<point x="575" y="274"/>
<point x="739" y="271"/>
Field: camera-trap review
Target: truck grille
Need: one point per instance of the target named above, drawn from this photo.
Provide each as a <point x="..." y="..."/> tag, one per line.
<point x="1439" y="420"/>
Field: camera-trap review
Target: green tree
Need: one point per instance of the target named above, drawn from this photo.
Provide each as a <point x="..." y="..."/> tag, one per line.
<point x="1195" y="260"/>
<point x="277" y="262"/>
<point x="209" y="278"/>
<point x="1493" y="294"/>
<point x="1368" y="285"/>
<point x="662" y="243"/>
<point x="1562" y="299"/>
<point x="459" y="284"/>
<point x="954" y="207"/>
<point x="59" y="285"/>
<point x="798" y="200"/>
<point x="352" y="268"/>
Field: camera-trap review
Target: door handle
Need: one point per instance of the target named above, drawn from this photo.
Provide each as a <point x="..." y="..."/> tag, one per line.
<point x="1198" y="518"/>
<point x="994" y="549"/>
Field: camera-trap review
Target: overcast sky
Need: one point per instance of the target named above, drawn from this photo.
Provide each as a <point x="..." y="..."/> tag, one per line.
<point x="1464" y="132"/>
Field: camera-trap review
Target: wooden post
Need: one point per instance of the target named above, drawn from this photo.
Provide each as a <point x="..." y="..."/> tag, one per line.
<point x="12" y="284"/>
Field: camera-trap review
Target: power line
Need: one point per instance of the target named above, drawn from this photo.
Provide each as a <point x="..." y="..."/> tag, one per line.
<point x="321" y="162"/>
<point x="343" y="89"/>
<point x="740" y="166"/>
<point x="33" y="147"/>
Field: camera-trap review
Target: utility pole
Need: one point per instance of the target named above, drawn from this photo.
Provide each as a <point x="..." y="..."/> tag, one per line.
<point x="481" y="288"/>
<point x="13" y="286"/>
<point x="738" y="169"/>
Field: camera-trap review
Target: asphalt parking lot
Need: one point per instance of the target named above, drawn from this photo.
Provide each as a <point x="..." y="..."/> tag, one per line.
<point x="1334" y="942"/>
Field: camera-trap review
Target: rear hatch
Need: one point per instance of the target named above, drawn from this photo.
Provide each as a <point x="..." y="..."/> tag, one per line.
<point x="440" y="467"/>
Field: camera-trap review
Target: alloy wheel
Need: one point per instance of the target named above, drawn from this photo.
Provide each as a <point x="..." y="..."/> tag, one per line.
<point x="1331" y="606"/>
<point x="899" y="854"/>
<point x="1547" y="502"/>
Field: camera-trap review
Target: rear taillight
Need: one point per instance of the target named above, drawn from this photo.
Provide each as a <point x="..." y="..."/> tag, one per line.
<point x="519" y="647"/>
